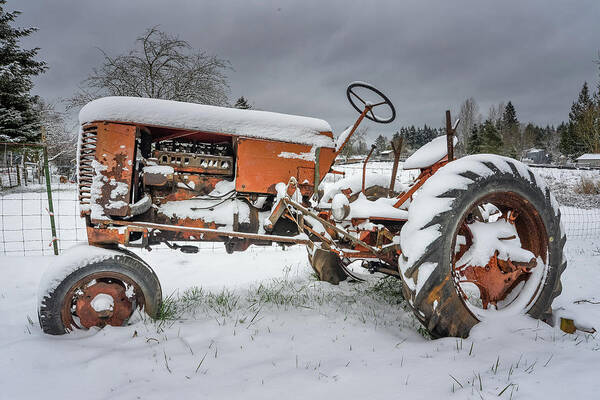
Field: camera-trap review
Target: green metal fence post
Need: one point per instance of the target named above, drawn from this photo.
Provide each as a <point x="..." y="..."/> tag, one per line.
<point x="49" y="192"/>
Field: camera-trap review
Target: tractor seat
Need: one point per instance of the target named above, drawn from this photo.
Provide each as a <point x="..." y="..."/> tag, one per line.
<point x="428" y="154"/>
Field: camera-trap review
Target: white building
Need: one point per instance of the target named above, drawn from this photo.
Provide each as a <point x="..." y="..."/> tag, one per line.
<point x="588" y="160"/>
<point x="386" y="155"/>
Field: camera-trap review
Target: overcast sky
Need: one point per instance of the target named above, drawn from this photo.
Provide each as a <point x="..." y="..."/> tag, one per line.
<point x="298" y="56"/>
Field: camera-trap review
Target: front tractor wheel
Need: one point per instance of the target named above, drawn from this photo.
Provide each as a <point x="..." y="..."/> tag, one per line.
<point x="483" y="239"/>
<point x="82" y="291"/>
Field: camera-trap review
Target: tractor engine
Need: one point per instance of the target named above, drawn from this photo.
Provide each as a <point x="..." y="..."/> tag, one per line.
<point x="182" y="170"/>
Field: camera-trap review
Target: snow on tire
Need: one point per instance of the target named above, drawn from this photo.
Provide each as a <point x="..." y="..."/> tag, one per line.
<point x="483" y="238"/>
<point x="90" y="286"/>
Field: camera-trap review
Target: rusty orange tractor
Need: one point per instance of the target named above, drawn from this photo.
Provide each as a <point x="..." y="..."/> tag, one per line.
<point x="470" y="238"/>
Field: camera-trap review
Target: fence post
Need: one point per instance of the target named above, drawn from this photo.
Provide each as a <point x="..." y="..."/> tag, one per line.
<point x="49" y="192"/>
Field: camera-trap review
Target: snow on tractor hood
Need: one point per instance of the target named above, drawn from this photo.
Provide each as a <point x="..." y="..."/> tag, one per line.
<point x="232" y="121"/>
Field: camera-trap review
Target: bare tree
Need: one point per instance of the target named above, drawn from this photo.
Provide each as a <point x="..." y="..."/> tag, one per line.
<point x="161" y="66"/>
<point x="469" y="117"/>
<point x="357" y="142"/>
<point x="495" y="113"/>
<point x="61" y="137"/>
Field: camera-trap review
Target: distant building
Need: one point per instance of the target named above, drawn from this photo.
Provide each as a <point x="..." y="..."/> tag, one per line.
<point x="386" y="155"/>
<point x="355" y="159"/>
<point x="588" y="160"/>
<point x="536" y="156"/>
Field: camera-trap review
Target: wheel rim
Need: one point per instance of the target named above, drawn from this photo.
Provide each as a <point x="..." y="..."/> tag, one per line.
<point x="100" y="299"/>
<point x="500" y="255"/>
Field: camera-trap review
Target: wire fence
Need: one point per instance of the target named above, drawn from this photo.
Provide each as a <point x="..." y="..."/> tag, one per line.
<point x="25" y="227"/>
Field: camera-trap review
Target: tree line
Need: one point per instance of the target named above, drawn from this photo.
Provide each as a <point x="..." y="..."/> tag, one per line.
<point x="501" y="132"/>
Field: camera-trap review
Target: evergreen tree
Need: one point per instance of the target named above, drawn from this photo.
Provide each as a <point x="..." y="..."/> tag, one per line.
<point x="529" y="135"/>
<point x="474" y="143"/>
<point x="542" y="137"/>
<point x="510" y="131"/>
<point x="583" y="134"/>
<point x="242" y="103"/>
<point x="568" y="141"/>
<point x="538" y="137"/>
<point x="417" y="137"/>
<point x="491" y="141"/>
<point x="583" y="103"/>
<point x="509" y="118"/>
<point x="19" y="122"/>
<point x="413" y="140"/>
<point x="428" y="134"/>
<point x="381" y="143"/>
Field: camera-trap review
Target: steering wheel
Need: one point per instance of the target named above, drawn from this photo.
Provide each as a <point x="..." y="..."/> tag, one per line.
<point x="370" y="114"/>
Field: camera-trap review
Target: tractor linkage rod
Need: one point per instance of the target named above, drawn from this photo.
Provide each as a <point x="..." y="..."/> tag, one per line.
<point x="342" y="232"/>
<point x="215" y="232"/>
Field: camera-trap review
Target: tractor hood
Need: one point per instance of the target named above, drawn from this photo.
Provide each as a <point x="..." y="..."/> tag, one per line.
<point x="204" y="118"/>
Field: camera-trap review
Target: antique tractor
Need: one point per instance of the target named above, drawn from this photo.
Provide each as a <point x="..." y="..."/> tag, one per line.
<point x="471" y="238"/>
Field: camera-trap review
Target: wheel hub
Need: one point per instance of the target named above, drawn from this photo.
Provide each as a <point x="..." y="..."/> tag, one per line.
<point x="95" y="309"/>
<point x="498" y="230"/>
<point x="497" y="279"/>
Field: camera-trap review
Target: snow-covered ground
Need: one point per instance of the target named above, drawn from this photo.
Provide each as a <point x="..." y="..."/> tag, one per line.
<point x="257" y="325"/>
<point x="261" y="327"/>
<point x="564" y="184"/>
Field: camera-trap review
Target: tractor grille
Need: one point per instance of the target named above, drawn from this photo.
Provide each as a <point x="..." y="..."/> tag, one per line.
<point x="87" y="154"/>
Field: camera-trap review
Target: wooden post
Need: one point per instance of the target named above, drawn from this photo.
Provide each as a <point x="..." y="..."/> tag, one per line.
<point x="449" y="136"/>
<point x="317" y="174"/>
<point x="450" y="132"/>
<point x="365" y="168"/>
<point x="49" y="191"/>
<point x="397" y="147"/>
<point x="24" y="166"/>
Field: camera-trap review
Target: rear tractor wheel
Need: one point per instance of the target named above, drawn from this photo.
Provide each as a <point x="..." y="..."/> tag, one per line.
<point x="93" y="287"/>
<point x="483" y="239"/>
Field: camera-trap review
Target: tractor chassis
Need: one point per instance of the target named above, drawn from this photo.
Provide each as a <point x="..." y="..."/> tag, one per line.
<point x="376" y="248"/>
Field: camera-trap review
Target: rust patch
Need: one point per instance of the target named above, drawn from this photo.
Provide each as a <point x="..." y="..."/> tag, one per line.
<point x="497" y="278"/>
<point x="152" y="179"/>
<point x="115" y="147"/>
<point x="260" y="167"/>
<point x="116" y="315"/>
<point x="103" y="236"/>
<point x="435" y="294"/>
<point x="76" y="302"/>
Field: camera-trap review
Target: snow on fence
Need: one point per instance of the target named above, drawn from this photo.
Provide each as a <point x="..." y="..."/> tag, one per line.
<point x="25" y="223"/>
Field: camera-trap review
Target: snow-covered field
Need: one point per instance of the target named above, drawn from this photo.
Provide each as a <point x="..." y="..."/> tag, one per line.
<point x="261" y="327"/>
<point x="257" y="325"/>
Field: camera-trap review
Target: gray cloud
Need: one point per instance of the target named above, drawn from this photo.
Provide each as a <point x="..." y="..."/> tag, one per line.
<point x="298" y="57"/>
